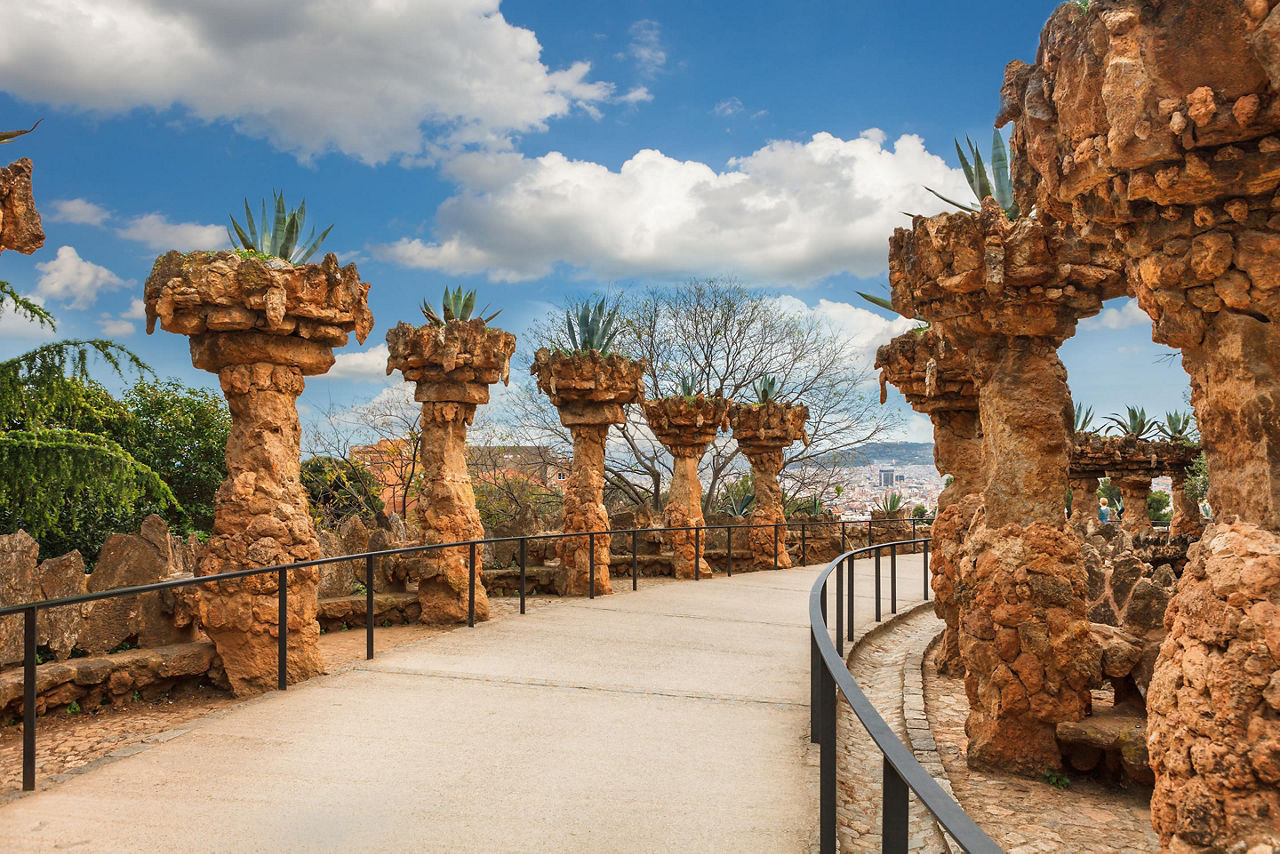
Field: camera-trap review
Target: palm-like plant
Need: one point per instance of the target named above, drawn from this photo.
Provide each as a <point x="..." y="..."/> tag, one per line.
<point x="594" y="329"/>
<point x="280" y="238"/>
<point x="688" y="388"/>
<point x="1133" y="423"/>
<point x="1083" y="418"/>
<point x="738" y="505"/>
<point x="11" y="135"/>
<point x="891" y="503"/>
<point x="1178" y="427"/>
<point x="999" y="185"/>
<point x="766" y="389"/>
<point x="455" y="305"/>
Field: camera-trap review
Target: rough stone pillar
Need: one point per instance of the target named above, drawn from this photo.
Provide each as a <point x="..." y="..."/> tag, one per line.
<point x="1135" y="491"/>
<point x="261" y="327"/>
<point x="589" y="390"/>
<point x="1084" y="498"/>
<point x="453" y="366"/>
<point x="1186" y="519"/>
<point x="20" y="227"/>
<point x="935" y="379"/>
<point x="1155" y="125"/>
<point x="1007" y="294"/>
<point x="764" y="431"/>
<point x="685" y="427"/>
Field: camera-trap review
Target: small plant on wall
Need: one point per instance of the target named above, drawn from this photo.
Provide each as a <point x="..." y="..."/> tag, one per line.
<point x="455" y="305"/>
<point x="279" y="239"/>
<point x="595" y="328"/>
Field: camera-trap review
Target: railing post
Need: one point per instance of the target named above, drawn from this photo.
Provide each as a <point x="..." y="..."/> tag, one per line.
<point x="913" y="534"/>
<point x="877" y="585"/>
<point x="893" y="811"/>
<point x="840" y="608"/>
<point x="728" y="550"/>
<point x="869" y="540"/>
<point x="368" y="607"/>
<point x="815" y="665"/>
<point x="893" y="579"/>
<point x="852" y="598"/>
<point x="591" y="547"/>
<point x="282" y="635"/>
<point x="926" y="570"/>
<point x="844" y="543"/>
<point x="29" y="700"/>
<point x="524" y="569"/>
<point x="471" y="587"/>
<point x="803" y="542"/>
<point x="827" y="764"/>
<point x="775" y="545"/>
<point x="697" y="553"/>
<point x="635" y="558"/>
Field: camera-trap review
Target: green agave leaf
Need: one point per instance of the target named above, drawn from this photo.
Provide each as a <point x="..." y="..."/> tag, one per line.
<point x="468" y="304"/>
<point x="253" y="227"/>
<point x="965" y="165"/>
<point x="1000" y="171"/>
<point x="875" y="300"/>
<point x="980" y="173"/>
<point x="311" y="250"/>
<point x="961" y="205"/>
<point x="289" y="239"/>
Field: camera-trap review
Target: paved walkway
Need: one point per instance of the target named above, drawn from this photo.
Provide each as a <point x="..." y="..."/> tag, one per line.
<point x="673" y="719"/>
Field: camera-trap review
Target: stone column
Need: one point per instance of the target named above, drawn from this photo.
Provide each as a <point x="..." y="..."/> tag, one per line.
<point x="685" y="427"/>
<point x="261" y="327"/>
<point x="1186" y="519"/>
<point x="1084" y="498"/>
<point x="1007" y="294"/>
<point x="1155" y="125"/>
<point x="763" y="432"/>
<point x="453" y="366"/>
<point x="589" y="390"/>
<point x="20" y="227"/>
<point x="1134" y="491"/>
<point x="933" y="376"/>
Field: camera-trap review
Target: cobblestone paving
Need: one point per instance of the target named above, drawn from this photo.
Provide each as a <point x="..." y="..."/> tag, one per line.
<point x="879" y="663"/>
<point x="1026" y="816"/>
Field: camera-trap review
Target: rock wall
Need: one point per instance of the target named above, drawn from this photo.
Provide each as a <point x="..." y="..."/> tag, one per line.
<point x="20" y="227"/>
<point x="261" y="326"/>
<point x="590" y="391"/>
<point x="764" y="431"/>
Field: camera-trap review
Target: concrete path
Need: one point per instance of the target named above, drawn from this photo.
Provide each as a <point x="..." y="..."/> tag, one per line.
<point x="672" y="719"/>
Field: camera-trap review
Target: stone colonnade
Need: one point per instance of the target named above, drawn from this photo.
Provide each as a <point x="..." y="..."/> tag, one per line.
<point x="261" y="327"/>
<point x="589" y="390"/>
<point x="764" y="431"/>
<point x="931" y="373"/>
<point x="685" y="427"/>
<point x="1155" y="127"/>
<point x="1007" y="294"/>
<point x="452" y="366"/>
<point x="1132" y="464"/>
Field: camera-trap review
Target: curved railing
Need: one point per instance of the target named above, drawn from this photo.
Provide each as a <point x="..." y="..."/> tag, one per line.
<point x="829" y="675"/>
<point x="30" y="610"/>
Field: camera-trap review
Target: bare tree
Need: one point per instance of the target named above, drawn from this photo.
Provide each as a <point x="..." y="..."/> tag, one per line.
<point x="724" y="338"/>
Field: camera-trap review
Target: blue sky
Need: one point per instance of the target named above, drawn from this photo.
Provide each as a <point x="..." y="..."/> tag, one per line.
<point x="532" y="150"/>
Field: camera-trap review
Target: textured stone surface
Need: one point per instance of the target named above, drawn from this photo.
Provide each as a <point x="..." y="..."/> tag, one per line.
<point x="589" y="390"/>
<point x="20" y="228"/>
<point x="685" y="427"/>
<point x="261" y="326"/>
<point x="453" y="366"/>
<point x="763" y="432"/>
<point x="950" y="530"/>
<point x="23" y="579"/>
<point x="1154" y="127"/>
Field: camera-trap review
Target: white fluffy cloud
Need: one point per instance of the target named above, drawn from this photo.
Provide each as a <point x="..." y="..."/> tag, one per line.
<point x="137" y="310"/>
<point x="728" y="107"/>
<point x="865" y="329"/>
<point x="367" y="365"/>
<point x="310" y="75"/>
<point x="71" y="279"/>
<point x="115" y="327"/>
<point x="77" y="212"/>
<point x="646" y="47"/>
<point x="1128" y="315"/>
<point x="158" y="234"/>
<point x="790" y="211"/>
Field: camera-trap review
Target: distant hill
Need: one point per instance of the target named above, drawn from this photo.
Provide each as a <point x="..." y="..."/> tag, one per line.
<point x="903" y="453"/>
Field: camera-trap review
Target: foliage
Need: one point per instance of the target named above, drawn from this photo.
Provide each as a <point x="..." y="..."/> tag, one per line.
<point x="1083" y="418"/>
<point x="1158" y="506"/>
<point x="280" y="238"/>
<point x="998" y="186"/>
<point x="739" y="496"/>
<point x="765" y="389"/>
<point x="1197" y="485"/>
<point x="919" y="512"/>
<point x="1111" y="492"/>
<point x="1133" y="423"/>
<point x="1056" y="778"/>
<point x="890" y="503"/>
<point x="10" y="135"/>
<point x="594" y="329"/>
<point x="887" y="303"/>
<point x="338" y="488"/>
<point x="23" y="306"/>
<point x="455" y="305"/>
<point x="1178" y="427"/>
<point x="688" y="387"/>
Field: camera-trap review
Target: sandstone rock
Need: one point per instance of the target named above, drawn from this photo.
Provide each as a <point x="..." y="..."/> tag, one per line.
<point x="685" y="427"/>
<point x="949" y="532"/>
<point x="261" y="326"/>
<point x="20" y="227"/>
<point x="589" y="390"/>
<point x="453" y="366"/>
<point x="763" y="432"/>
<point x="22" y="579"/>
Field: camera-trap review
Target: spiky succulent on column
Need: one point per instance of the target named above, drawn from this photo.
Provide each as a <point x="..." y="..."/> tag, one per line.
<point x="455" y="305"/>
<point x="594" y="329"/>
<point x="998" y="186"/>
<point x="280" y="240"/>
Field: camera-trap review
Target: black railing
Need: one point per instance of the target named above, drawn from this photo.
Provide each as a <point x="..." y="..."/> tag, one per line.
<point x="902" y="773"/>
<point x="30" y="610"/>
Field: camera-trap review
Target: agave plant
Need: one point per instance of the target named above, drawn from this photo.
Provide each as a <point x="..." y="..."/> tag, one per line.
<point x="999" y="185"/>
<point x="885" y="303"/>
<point x="1083" y="418"/>
<point x="455" y="305"/>
<point x="280" y="238"/>
<point x="766" y="389"/>
<point x="688" y="388"/>
<point x="10" y="135"/>
<point x="738" y="505"/>
<point x="891" y="503"/>
<point x="594" y="329"/>
<point x="1133" y="423"/>
<point x="1178" y="427"/>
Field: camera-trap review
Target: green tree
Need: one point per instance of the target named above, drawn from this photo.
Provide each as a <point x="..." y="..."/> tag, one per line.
<point x="339" y="488"/>
<point x="1158" y="506"/>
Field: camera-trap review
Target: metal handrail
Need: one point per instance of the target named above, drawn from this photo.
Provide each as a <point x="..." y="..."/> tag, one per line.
<point x="900" y="768"/>
<point x="30" y="610"/>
